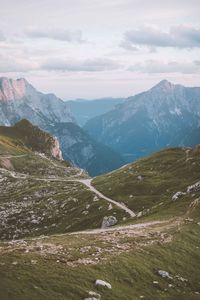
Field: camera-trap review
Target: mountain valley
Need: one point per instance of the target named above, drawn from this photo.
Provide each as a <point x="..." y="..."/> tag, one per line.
<point x="53" y="217"/>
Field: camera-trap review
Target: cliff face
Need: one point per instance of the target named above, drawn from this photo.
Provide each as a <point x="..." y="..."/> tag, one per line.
<point x="12" y="89"/>
<point x="55" y="149"/>
<point x="33" y="137"/>
<point x="20" y="100"/>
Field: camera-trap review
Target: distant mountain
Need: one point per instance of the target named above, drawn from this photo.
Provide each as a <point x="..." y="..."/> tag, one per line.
<point x="20" y="100"/>
<point x="84" y="110"/>
<point x="83" y="151"/>
<point x="24" y="134"/>
<point x="166" y="115"/>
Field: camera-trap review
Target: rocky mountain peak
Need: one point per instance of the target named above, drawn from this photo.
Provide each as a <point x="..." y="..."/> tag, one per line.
<point x="164" y="85"/>
<point x="11" y="89"/>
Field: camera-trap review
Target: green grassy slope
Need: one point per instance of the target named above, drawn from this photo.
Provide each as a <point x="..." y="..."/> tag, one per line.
<point x="61" y="267"/>
<point x="149" y="184"/>
<point x="43" y="208"/>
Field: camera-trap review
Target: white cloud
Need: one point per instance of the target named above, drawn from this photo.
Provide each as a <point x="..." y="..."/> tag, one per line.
<point x="153" y="66"/>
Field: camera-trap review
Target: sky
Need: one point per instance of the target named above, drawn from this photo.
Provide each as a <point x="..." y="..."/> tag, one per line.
<point x="100" y="48"/>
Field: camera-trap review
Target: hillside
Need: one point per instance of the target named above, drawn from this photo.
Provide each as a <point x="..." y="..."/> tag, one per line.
<point x="25" y="134"/>
<point x="167" y="115"/>
<point x="148" y="185"/>
<point x="40" y="193"/>
<point x="151" y="256"/>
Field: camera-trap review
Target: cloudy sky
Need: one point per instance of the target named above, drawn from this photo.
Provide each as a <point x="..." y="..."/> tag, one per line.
<point x="97" y="48"/>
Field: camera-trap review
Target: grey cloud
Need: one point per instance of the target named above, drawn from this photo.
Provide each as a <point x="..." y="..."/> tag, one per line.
<point x="152" y="66"/>
<point x="56" y="34"/>
<point x="88" y="65"/>
<point x="177" y="36"/>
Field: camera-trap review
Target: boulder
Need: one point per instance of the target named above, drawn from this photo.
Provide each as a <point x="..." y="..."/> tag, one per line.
<point x="177" y="196"/>
<point x="103" y="283"/>
<point x="164" y="274"/>
<point x="108" y="221"/>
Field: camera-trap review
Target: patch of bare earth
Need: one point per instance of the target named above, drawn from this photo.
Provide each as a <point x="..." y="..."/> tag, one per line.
<point x="96" y="248"/>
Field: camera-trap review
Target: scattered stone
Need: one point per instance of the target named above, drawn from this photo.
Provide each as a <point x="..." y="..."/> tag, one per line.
<point x="140" y="177"/>
<point x="189" y="220"/>
<point x="177" y="196"/>
<point x="33" y="261"/>
<point x="164" y="274"/>
<point x="194" y="188"/>
<point x="108" y="221"/>
<point x="94" y="295"/>
<point x="181" y="278"/>
<point x="198" y="223"/>
<point x="110" y="206"/>
<point x="155" y="282"/>
<point x="139" y="214"/>
<point x="103" y="283"/>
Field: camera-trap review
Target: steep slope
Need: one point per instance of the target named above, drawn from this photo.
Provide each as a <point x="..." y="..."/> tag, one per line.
<point x="20" y="100"/>
<point x="84" y="151"/>
<point x="166" y="115"/>
<point x="148" y="185"/>
<point x="27" y="135"/>
<point x="154" y="259"/>
<point x="84" y="110"/>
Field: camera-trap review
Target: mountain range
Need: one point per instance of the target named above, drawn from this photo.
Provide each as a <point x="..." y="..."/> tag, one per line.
<point x="164" y="116"/>
<point x="20" y="100"/>
<point x="167" y="115"/>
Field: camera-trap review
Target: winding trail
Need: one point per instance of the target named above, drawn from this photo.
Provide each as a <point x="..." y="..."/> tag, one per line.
<point x="86" y="182"/>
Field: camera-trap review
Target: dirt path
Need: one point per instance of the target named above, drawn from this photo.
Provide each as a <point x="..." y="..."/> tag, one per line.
<point x="87" y="182"/>
<point x="120" y="228"/>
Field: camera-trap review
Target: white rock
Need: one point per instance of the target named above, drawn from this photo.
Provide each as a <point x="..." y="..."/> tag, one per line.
<point x="164" y="274"/>
<point x="103" y="283"/>
<point x="177" y="196"/>
<point x="194" y="188"/>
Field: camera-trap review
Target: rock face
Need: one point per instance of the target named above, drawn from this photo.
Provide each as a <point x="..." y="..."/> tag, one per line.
<point x="20" y="100"/>
<point x="108" y="221"/>
<point x="166" y="115"/>
<point x="55" y="149"/>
